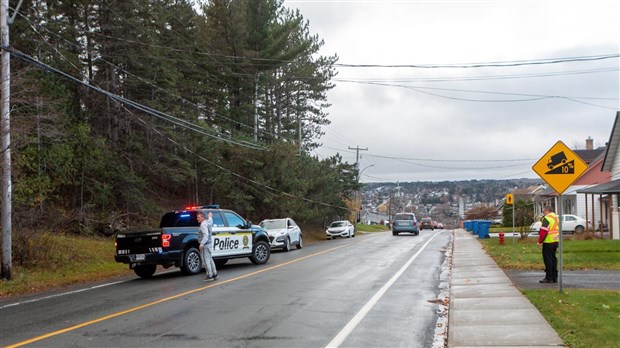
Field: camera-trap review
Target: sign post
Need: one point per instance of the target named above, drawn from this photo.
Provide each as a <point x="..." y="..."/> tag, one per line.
<point x="510" y="201"/>
<point x="559" y="168"/>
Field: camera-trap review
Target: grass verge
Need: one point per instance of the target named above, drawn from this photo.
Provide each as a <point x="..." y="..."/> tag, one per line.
<point x="582" y="318"/>
<point x="64" y="260"/>
<point x="577" y="254"/>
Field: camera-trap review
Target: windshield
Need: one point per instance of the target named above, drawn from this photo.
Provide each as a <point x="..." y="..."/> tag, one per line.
<point x="403" y="217"/>
<point x="273" y="224"/>
<point x="337" y="224"/>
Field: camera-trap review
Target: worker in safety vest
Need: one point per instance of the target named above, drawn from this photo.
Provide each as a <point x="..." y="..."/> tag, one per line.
<point x="548" y="237"/>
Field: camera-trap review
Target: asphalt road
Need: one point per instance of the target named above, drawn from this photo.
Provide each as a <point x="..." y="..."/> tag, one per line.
<point x="375" y="290"/>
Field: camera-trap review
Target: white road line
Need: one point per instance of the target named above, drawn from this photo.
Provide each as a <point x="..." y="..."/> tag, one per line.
<point x="69" y="292"/>
<point x="346" y="331"/>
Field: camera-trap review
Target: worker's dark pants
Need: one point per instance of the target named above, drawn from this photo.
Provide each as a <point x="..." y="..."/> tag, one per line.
<point x="551" y="261"/>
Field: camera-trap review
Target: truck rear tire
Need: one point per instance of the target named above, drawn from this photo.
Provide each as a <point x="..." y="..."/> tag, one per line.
<point x="145" y="271"/>
<point x="260" y="253"/>
<point x="192" y="262"/>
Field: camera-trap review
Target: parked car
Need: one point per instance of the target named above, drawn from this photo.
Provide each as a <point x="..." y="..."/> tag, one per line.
<point x="341" y="228"/>
<point x="570" y="224"/>
<point x="283" y="233"/>
<point x="533" y="234"/>
<point x="405" y="222"/>
<point x="440" y="225"/>
<point x="426" y="223"/>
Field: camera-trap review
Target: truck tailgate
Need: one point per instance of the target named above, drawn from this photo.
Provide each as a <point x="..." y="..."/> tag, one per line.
<point x="141" y="242"/>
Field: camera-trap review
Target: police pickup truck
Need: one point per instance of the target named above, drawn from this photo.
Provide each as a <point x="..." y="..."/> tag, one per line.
<point x="175" y="243"/>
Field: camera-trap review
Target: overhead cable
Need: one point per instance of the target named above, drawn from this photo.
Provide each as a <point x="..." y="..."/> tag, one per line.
<point x="144" y="108"/>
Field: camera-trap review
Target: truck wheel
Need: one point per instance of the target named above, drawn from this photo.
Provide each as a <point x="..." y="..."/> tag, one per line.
<point x="301" y="242"/>
<point x="260" y="253"/>
<point x="192" y="263"/>
<point x="145" y="271"/>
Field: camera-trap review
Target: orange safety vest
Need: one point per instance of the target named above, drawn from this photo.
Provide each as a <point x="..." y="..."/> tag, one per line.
<point x="553" y="235"/>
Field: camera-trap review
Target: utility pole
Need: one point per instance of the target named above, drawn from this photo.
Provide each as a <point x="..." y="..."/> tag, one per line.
<point x="6" y="142"/>
<point x="256" y="108"/>
<point x="357" y="166"/>
<point x="357" y="159"/>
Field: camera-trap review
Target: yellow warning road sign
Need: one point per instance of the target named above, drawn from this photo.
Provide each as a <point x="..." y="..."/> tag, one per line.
<point x="509" y="198"/>
<point x="560" y="167"/>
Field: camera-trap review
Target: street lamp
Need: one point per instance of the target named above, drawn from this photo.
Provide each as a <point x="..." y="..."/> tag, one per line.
<point x="361" y="171"/>
<point x="359" y="190"/>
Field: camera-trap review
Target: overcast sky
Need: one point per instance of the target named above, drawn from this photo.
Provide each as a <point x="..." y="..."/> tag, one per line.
<point x="435" y="124"/>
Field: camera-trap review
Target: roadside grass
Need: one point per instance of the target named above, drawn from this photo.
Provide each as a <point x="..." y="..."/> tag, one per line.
<point x="372" y="228"/>
<point x="582" y="318"/>
<point x="576" y="254"/>
<point x="61" y="260"/>
<point x="314" y="234"/>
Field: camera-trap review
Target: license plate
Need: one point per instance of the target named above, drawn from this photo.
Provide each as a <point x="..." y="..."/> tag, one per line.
<point x="139" y="257"/>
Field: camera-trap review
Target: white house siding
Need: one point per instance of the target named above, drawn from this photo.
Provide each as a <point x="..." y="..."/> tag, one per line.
<point x="615" y="215"/>
<point x="575" y="203"/>
<point x="581" y="208"/>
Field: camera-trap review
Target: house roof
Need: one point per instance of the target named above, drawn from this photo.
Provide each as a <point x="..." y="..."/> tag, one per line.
<point x="522" y="192"/>
<point x="594" y="175"/>
<point x="547" y="192"/>
<point x="590" y="155"/>
<point x="606" y="188"/>
<point x="612" y="145"/>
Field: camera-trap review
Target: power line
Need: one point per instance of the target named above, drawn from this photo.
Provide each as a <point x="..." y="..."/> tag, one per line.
<point x="100" y="58"/>
<point x="144" y="108"/>
<point x="526" y="97"/>
<point x="501" y="64"/>
<point x="477" y="77"/>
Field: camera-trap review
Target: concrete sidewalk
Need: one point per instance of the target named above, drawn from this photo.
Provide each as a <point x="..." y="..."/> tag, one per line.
<point x="486" y="309"/>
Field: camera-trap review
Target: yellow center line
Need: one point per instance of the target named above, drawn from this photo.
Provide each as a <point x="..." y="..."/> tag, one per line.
<point x="151" y="304"/>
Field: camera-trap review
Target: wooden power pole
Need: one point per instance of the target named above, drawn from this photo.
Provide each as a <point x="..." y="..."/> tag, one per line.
<point x="6" y="142"/>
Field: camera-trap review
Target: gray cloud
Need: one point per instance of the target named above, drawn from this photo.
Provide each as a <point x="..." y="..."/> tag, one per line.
<point x="436" y="128"/>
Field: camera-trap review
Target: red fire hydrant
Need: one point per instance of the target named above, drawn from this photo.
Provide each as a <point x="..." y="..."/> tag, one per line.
<point x="501" y="237"/>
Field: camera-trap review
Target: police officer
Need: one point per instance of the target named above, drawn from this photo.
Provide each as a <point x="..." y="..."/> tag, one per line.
<point x="548" y="238"/>
<point x="206" y="243"/>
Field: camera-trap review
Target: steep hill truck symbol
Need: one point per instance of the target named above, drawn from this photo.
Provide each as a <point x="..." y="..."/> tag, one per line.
<point x="564" y="166"/>
<point x="556" y="159"/>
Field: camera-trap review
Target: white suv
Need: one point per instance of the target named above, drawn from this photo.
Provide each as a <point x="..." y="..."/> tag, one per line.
<point x="570" y="223"/>
<point x="283" y="233"/>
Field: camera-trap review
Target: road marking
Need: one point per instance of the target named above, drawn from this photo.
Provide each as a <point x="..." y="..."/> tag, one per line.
<point x="72" y="292"/>
<point x="61" y="294"/>
<point x="151" y="304"/>
<point x="352" y="324"/>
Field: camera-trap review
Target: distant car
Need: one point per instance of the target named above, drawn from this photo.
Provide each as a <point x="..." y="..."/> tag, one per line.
<point x="570" y="224"/>
<point x="342" y="228"/>
<point x="283" y="233"/>
<point x="405" y="222"/>
<point x="426" y="223"/>
<point x="440" y="225"/>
